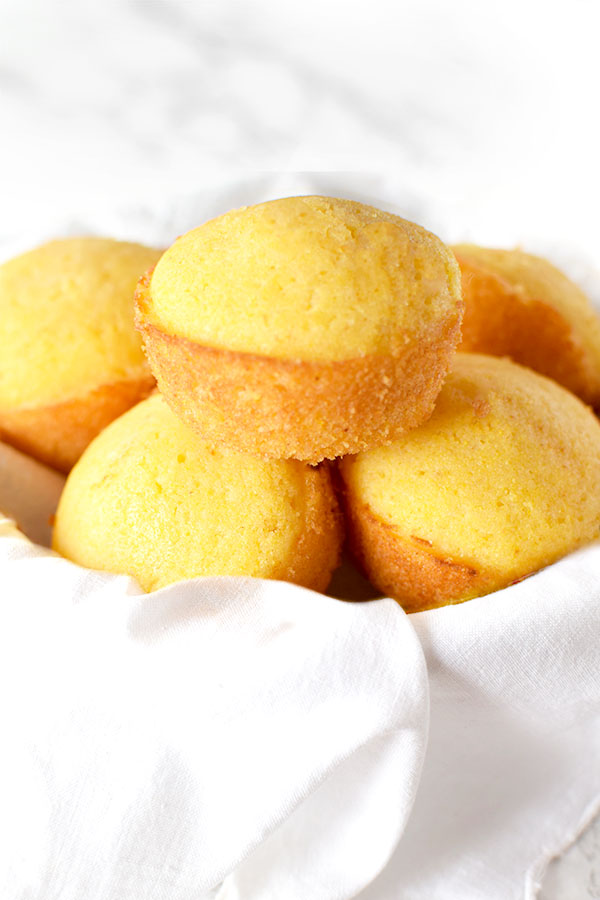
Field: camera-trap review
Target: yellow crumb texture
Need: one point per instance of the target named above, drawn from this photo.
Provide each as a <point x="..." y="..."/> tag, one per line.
<point x="306" y="278"/>
<point x="503" y="478"/>
<point x="66" y="319"/>
<point x="149" y="499"/>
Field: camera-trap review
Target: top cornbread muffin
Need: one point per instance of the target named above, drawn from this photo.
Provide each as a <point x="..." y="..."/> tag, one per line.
<point x="520" y="305"/>
<point x="306" y="327"/>
<point x="71" y="360"/>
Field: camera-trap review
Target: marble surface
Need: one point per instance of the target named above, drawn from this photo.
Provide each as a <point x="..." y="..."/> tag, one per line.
<point x="576" y="874"/>
<point x="483" y="118"/>
<point x="483" y="114"/>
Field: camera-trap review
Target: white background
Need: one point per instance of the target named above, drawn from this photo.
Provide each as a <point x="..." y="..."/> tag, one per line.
<point x="484" y="117"/>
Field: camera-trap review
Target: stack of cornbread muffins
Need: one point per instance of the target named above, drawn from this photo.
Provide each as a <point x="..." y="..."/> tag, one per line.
<point x="308" y="387"/>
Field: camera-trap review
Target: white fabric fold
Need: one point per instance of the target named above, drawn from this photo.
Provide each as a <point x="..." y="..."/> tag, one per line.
<point x="29" y="493"/>
<point x="153" y="742"/>
<point x="512" y="772"/>
<point x="236" y="738"/>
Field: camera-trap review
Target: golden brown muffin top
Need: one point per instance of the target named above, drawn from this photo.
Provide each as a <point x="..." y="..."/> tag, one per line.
<point x="307" y="278"/>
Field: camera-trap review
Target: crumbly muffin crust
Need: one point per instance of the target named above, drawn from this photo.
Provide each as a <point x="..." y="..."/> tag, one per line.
<point x="521" y="306"/>
<point x="280" y="409"/>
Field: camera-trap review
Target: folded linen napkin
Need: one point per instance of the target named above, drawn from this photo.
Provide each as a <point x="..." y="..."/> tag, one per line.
<point x="29" y="493"/>
<point x="221" y="730"/>
<point x="512" y="770"/>
<point x="238" y="738"/>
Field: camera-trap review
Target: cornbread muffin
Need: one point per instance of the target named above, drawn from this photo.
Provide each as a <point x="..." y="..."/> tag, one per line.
<point x="307" y="327"/>
<point x="503" y="479"/>
<point x="149" y="499"/>
<point x="521" y="306"/>
<point x="70" y="358"/>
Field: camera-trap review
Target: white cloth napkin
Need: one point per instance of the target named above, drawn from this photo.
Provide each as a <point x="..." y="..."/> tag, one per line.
<point x="251" y="740"/>
<point x="512" y="770"/>
<point x="265" y="741"/>
<point x="221" y="730"/>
